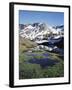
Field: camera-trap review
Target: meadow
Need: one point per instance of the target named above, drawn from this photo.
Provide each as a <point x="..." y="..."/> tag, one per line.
<point x="38" y="63"/>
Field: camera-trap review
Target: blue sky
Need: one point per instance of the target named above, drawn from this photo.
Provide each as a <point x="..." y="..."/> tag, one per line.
<point x="51" y="18"/>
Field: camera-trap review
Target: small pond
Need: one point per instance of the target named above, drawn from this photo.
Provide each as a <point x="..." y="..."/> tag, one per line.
<point x="43" y="62"/>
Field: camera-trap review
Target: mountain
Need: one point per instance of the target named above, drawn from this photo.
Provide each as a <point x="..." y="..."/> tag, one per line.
<point x="21" y="26"/>
<point x="59" y="28"/>
<point x="39" y="36"/>
<point x="37" y="31"/>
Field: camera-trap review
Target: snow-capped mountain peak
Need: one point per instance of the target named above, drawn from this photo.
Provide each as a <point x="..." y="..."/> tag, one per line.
<point x="39" y="31"/>
<point x="29" y="27"/>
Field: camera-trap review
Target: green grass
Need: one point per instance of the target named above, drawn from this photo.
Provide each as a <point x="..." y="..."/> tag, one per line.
<point x="23" y="57"/>
<point x="54" y="71"/>
<point x="39" y="57"/>
<point x="28" y="71"/>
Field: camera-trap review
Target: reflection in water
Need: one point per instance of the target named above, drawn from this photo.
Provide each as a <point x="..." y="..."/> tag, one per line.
<point x="45" y="59"/>
<point x="43" y="62"/>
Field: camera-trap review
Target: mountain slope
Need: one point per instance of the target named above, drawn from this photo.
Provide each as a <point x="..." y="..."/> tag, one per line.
<point x="26" y="44"/>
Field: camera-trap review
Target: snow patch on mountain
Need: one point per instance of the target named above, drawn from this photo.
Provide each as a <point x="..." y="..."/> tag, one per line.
<point x="39" y="31"/>
<point x="46" y="37"/>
